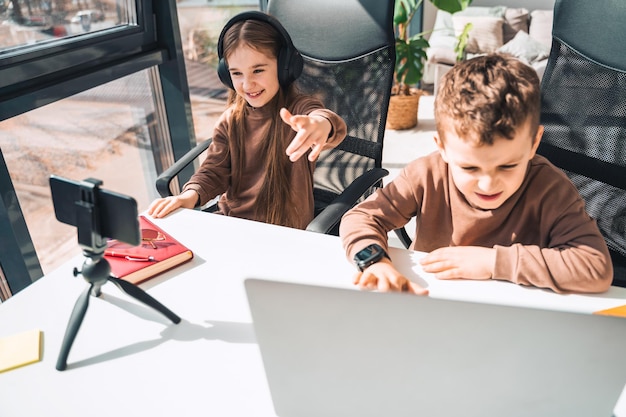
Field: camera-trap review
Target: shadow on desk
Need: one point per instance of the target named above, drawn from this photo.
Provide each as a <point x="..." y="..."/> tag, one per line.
<point x="185" y="331"/>
<point x="406" y="263"/>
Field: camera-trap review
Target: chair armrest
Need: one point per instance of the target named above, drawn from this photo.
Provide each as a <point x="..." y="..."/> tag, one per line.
<point x="404" y="237"/>
<point x="331" y="215"/>
<point x="164" y="180"/>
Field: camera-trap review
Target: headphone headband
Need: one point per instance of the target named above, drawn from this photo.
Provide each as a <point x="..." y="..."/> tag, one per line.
<point x="290" y="61"/>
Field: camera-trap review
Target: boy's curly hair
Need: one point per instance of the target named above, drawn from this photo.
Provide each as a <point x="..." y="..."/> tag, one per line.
<point x="487" y="96"/>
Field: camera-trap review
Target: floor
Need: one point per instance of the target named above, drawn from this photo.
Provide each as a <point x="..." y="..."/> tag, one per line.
<point x="403" y="146"/>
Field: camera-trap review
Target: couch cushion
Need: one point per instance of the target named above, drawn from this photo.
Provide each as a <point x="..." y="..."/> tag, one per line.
<point x="485" y="35"/>
<point x="441" y="55"/>
<point x="514" y="21"/>
<point x="526" y="48"/>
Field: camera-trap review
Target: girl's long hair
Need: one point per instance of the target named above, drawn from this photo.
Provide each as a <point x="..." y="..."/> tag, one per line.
<point x="274" y="204"/>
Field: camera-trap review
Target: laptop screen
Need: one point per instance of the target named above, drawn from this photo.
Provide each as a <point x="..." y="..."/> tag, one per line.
<point x="344" y="352"/>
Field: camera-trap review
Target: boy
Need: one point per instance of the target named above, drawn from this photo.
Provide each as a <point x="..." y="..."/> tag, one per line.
<point x="486" y="206"/>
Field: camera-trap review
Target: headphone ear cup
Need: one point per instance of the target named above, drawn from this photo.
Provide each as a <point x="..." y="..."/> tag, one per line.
<point x="290" y="64"/>
<point x="282" y="64"/>
<point x="296" y="66"/>
<point x="224" y="74"/>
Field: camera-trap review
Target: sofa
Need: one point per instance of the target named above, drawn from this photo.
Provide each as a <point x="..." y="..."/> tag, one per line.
<point x="523" y="33"/>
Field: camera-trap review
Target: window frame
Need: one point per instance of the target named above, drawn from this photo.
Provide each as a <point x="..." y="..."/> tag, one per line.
<point x="54" y="66"/>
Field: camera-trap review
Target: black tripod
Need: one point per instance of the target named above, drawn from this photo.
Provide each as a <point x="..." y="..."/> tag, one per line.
<point x="96" y="270"/>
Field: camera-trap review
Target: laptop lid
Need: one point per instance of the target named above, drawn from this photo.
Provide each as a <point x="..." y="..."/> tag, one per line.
<point x="343" y="352"/>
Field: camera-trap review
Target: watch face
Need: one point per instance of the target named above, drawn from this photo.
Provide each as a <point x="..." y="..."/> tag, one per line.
<point x="369" y="253"/>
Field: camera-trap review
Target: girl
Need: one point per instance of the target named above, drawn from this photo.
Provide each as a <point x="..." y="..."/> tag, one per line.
<point x="256" y="158"/>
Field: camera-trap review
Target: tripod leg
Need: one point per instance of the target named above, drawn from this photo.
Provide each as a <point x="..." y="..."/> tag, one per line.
<point x="76" y="319"/>
<point x="136" y="292"/>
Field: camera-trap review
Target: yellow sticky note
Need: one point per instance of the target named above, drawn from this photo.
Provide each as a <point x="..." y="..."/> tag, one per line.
<point x="20" y="349"/>
<point x="615" y="311"/>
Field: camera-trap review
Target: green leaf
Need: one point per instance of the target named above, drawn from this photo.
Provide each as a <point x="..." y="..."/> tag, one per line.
<point x="404" y="10"/>
<point x="410" y="58"/>
<point x="411" y="52"/>
<point x="418" y="41"/>
<point x="462" y="40"/>
<point x="451" y="6"/>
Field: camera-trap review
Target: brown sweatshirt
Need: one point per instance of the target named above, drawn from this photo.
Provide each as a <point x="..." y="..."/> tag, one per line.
<point x="542" y="234"/>
<point x="213" y="176"/>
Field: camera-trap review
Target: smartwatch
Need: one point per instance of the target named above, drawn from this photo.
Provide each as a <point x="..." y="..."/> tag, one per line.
<point x="370" y="255"/>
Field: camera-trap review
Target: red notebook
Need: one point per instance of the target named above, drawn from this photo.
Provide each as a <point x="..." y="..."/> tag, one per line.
<point x="158" y="252"/>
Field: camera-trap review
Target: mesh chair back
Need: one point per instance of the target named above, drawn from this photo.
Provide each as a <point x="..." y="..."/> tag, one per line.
<point x="584" y="111"/>
<point x="349" y="56"/>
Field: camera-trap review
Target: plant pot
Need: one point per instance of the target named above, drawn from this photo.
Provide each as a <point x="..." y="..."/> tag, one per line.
<point x="402" y="112"/>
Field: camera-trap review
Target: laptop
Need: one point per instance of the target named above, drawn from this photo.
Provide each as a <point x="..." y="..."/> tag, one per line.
<point x="341" y="352"/>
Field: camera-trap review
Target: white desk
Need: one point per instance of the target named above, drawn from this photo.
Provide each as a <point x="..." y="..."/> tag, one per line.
<point x="129" y="360"/>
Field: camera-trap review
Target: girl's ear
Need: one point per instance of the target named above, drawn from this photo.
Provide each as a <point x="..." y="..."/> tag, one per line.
<point x="440" y="147"/>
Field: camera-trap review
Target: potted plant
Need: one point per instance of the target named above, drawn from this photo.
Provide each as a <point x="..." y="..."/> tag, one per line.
<point x="410" y="60"/>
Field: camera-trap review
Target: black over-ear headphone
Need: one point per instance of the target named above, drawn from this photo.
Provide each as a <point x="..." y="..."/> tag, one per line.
<point x="290" y="61"/>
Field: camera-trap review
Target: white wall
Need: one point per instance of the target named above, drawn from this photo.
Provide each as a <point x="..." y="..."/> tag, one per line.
<point x="430" y="11"/>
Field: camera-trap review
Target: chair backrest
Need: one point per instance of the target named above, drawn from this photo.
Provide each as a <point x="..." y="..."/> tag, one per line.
<point x="349" y="57"/>
<point x="584" y="111"/>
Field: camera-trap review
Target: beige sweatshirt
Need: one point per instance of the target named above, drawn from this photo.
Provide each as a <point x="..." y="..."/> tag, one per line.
<point x="213" y="176"/>
<point x="542" y="234"/>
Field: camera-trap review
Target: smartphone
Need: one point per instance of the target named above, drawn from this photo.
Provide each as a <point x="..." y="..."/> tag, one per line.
<point x="116" y="214"/>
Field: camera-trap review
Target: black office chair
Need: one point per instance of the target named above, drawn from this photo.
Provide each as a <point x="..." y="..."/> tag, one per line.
<point x="348" y="48"/>
<point x="584" y="112"/>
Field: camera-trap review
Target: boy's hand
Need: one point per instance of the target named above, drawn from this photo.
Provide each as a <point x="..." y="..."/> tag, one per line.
<point x="312" y="134"/>
<point x="468" y="262"/>
<point x="161" y="207"/>
<point x="382" y="276"/>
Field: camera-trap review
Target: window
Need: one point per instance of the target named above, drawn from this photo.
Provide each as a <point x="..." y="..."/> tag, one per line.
<point x="108" y="130"/>
<point x="76" y="75"/>
<point x="37" y="22"/>
<point x="32" y="68"/>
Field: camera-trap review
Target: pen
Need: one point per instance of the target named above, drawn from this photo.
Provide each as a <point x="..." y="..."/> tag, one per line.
<point x="129" y="257"/>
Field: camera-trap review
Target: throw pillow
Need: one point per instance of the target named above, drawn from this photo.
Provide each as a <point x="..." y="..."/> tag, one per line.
<point x="525" y="48"/>
<point x="495" y="11"/>
<point x="514" y="21"/>
<point x="540" y="27"/>
<point x="443" y="20"/>
<point x="485" y="35"/>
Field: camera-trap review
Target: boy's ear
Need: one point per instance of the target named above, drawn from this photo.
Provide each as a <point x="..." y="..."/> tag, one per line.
<point x="536" y="140"/>
<point x="440" y="147"/>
